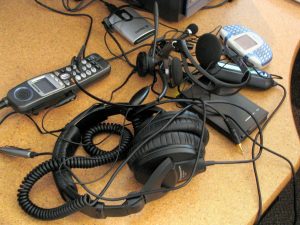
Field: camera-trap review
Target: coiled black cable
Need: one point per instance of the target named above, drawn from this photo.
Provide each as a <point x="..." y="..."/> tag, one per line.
<point x="100" y="158"/>
<point x="119" y="151"/>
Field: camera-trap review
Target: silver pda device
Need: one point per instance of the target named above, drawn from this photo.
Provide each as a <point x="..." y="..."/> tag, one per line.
<point x="130" y="24"/>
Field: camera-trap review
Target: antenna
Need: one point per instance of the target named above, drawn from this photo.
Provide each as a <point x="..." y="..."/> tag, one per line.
<point x="156" y="24"/>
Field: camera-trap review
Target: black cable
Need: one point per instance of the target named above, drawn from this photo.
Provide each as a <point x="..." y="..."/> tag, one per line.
<point x="93" y="150"/>
<point x="43" y="154"/>
<point x="3" y="103"/>
<point x="75" y="15"/>
<point x="216" y="5"/>
<point x="122" y="85"/>
<point x="80" y="6"/>
<point x="128" y="52"/>
<point x="120" y="47"/>
<point x="80" y="182"/>
<point x="79" y="162"/>
<point x="7" y="116"/>
<point x="255" y="143"/>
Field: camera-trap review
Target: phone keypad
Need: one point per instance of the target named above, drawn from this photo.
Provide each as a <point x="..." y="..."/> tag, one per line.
<point x="89" y="66"/>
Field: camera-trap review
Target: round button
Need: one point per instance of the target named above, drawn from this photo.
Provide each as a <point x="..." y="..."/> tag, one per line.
<point x="56" y="73"/>
<point x="89" y="65"/>
<point x="65" y="76"/>
<point x="83" y="75"/>
<point x="126" y="16"/>
<point x="67" y="82"/>
<point x="94" y="70"/>
<point x="78" y="77"/>
<point x="88" y="72"/>
<point x="23" y="94"/>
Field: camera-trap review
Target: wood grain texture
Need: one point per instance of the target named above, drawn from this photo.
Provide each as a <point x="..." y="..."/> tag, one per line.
<point x="34" y="40"/>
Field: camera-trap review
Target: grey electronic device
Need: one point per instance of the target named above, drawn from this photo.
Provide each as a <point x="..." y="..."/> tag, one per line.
<point x="131" y="25"/>
<point x="56" y="87"/>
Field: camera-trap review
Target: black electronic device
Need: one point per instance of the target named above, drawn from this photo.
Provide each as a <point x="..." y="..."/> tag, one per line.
<point x="51" y="88"/>
<point x="233" y="113"/>
<point x="174" y="10"/>
<point x="232" y="73"/>
<point x="159" y="164"/>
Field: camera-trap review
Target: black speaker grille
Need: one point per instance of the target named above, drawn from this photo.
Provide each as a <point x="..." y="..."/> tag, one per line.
<point x="23" y="94"/>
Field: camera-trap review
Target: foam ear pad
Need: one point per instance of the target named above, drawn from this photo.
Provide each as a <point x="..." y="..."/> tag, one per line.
<point x="176" y="71"/>
<point x="142" y="64"/>
<point x="184" y="130"/>
<point x="208" y="50"/>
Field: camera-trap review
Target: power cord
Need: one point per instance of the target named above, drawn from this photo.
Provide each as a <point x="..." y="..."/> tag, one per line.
<point x="83" y="48"/>
<point x="3" y="103"/>
<point x="217" y="5"/>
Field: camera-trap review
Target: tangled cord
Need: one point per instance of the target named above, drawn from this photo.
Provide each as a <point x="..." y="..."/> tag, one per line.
<point x="99" y="158"/>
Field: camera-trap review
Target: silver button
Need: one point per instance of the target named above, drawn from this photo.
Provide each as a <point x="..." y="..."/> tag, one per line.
<point x="74" y="67"/>
<point x="89" y="65"/>
<point x="65" y="76"/>
<point x="125" y="16"/>
<point x="83" y="75"/>
<point x="78" y="77"/>
<point x="74" y="73"/>
<point x="84" y="68"/>
<point x="88" y="72"/>
<point x="67" y="82"/>
<point x="68" y="69"/>
<point x="83" y="61"/>
<point x="93" y="69"/>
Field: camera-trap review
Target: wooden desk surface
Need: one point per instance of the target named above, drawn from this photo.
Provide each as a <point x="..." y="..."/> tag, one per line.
<point x="34" y="40"/>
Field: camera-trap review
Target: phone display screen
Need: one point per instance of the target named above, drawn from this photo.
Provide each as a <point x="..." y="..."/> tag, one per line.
<point x="246" y="42"/>
<point x="45" y="85"/>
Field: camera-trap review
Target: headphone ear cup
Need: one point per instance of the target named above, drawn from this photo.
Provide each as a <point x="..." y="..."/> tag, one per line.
<point x="142" y="64"/>
<point x="176" y="71"/>
<point x="179" y="142"/>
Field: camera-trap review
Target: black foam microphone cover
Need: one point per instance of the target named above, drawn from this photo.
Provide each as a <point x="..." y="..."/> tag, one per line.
<point x="193" y="28"/>
<point x="208" y="50"/>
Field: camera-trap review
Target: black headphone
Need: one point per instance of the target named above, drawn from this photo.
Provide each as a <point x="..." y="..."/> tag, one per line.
<point x="169" y="68"/>
<point x="164" y="161"/>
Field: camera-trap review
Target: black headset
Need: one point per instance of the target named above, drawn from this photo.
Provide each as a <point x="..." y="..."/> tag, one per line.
<point x="164" y="161"/>
<point x="158" y="60"/>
